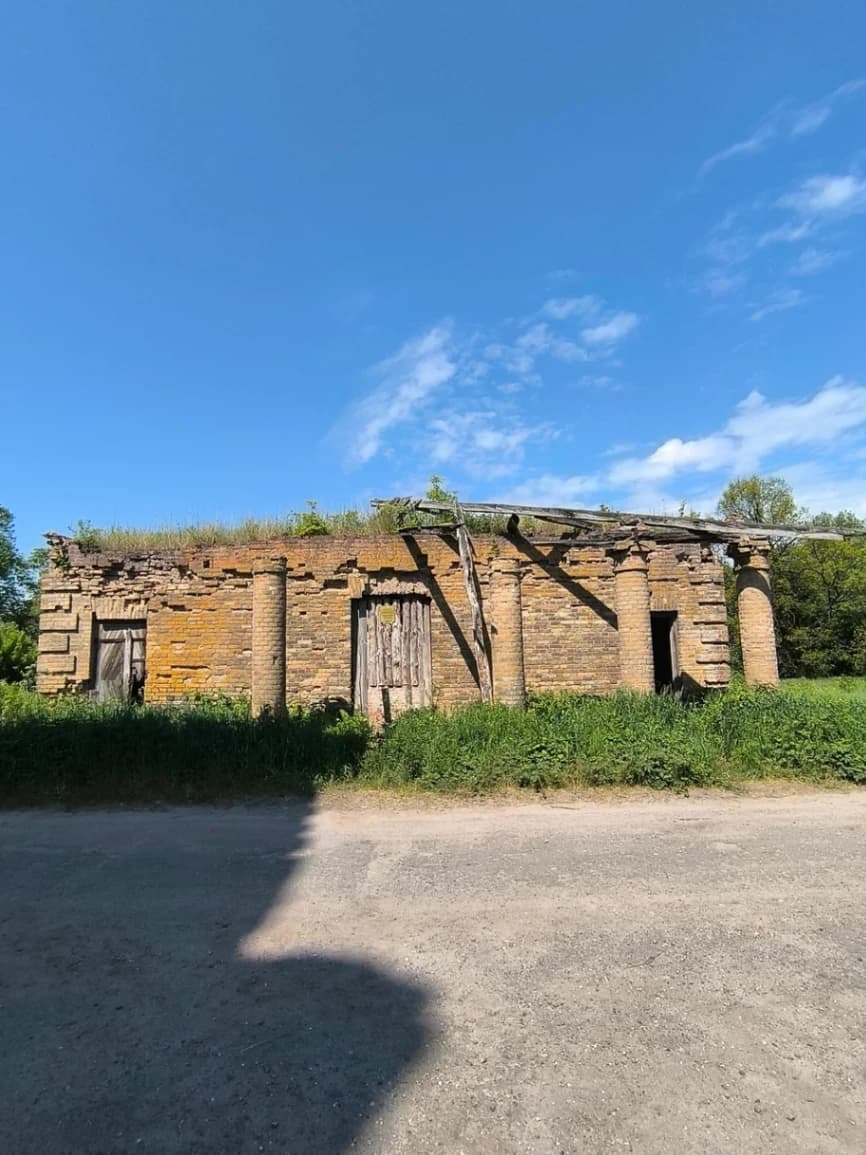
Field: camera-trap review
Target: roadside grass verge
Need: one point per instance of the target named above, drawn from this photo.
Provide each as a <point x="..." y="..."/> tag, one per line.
<point x="565" y="740"/>
<point x="75" y="752"/>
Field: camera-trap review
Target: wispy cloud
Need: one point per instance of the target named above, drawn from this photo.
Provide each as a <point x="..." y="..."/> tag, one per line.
<point x="778" y="302"/>
<point x="813" y="116"/>
<point x="599" y="381"/>
<point x="561" y="308"/>
<point x="486" y="442"/>
<point x="720" y="282"/>
<point x="787" y="234"/>
<point x="827" y="196"/>
<point x="611" y="330"/>
<point x="470" y="400"/>
<point x="757" y="429"/>
<point x="811" y="261"/>
<point x="553" y="491"/>
<point x="406" y="381"/>
<point x="755" y="142"/>
<point x="785" y="120"/>
<point x="816" y="205"/>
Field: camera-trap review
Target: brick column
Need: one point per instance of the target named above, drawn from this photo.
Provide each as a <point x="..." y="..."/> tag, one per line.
<point x="269" y="636"/>
<point x="509" y="682"/>
<point x="755" y="606"/>
<point x="636" y="671"/>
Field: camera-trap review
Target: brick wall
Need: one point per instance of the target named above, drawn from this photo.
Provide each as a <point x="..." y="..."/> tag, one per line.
<point x="198" y="606"/>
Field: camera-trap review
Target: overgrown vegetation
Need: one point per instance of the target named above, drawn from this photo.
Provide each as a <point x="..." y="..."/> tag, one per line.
<point x="819" y="587"/>
<point x="308" y="522"/>
<point x="18" y="604"/>
<point x="75" y="751"/>
<point x="72" y="751"/>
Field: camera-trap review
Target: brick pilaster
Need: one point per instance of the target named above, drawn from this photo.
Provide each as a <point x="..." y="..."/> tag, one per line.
<point x="509" y="683"/>
<point x="755" y="606"/>
<point x="636" y="670"/>
<point x="269" y="636"/>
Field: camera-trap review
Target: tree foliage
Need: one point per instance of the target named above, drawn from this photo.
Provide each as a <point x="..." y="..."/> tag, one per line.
<point x="819" y="587"/>
<point x="18" y="604"/>
<point x="768" y="500"/>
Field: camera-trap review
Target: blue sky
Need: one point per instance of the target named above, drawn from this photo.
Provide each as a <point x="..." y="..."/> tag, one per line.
<point x="257" y="254"/>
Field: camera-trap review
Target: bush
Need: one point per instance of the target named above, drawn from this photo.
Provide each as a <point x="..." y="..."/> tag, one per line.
<point x="627" y="740"/>
<point x="17" y="653"/>
<point x="71" y="750"/>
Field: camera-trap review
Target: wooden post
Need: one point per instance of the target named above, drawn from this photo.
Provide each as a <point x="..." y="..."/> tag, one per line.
<point x="473" y="593"/>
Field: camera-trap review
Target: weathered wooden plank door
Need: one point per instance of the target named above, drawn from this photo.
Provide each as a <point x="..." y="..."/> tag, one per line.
<point x="120" y="656"/>
<point x="392" y="656"/>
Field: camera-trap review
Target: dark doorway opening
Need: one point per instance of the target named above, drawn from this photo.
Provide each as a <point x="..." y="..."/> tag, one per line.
<point x="664" y="635"/>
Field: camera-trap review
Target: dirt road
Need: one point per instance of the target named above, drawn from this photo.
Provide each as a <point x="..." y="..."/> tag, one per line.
<point x="679" y="975"/>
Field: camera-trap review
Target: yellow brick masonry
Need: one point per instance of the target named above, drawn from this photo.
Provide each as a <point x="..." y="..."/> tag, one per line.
<point x="200" y="610"/>
<point x="509" y="680"/>
<point x="754" y="603"/>
<point x="269" y="636"/>
<point x="633" y="619"/>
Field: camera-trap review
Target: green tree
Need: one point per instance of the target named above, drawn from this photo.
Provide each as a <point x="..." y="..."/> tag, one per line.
<point x="819" y="594"/>
<point x="768" y="500"/>
<point x="19" y="615"/>
<point x="436" y="491"/>
<point x="819" y="587"/>
<point x="17" y="653"/>
<point x="18" y="577"/>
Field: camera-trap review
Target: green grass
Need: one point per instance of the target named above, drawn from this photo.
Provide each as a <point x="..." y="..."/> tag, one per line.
<point x="311" y="522"/>
<point x="820" y="687"/>
<point x="72" y="751"/>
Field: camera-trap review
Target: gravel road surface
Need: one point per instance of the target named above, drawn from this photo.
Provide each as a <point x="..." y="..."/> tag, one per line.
<point x="670" y="975"/>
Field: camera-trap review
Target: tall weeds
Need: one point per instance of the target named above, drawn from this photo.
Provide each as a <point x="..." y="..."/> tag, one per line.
<point x="74" y="751"/>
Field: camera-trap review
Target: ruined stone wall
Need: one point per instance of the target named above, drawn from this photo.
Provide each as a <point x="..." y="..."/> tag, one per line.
<point x="690" y="580"/>
<point x="569" y="620"/>
<point x="198" y="606"/>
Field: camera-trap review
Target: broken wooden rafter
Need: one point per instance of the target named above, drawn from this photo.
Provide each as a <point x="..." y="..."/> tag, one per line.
<point x="699" y="528"/>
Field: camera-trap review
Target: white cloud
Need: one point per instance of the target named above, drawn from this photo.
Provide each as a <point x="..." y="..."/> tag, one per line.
<point x="553" y="491"/>
<point x="484" y="390"/>
<point x="539" y="340"/>
<point x="722" y="283"/>
<point x="778" y="302"/>
<point x="484" y="442"/>
<point x="827" y="195"/>
<point x="559" y="308"/>
<point x="812" y="116"/>
<point x="407" y="381"/>
<point x="756" y="142"/>
<point x="788" y="233"/>
<point x="820" y="491"/>
<point x="814" y="261"/>
<point x="611" y="330"/>
<point x="787" y="121"/>
<point x="599" y="381"/>
<point x="757" y="429"/>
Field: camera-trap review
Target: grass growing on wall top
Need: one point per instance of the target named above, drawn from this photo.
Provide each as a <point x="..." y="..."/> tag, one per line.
<point x="311" y="522"/>
<point x="72" y="751"/>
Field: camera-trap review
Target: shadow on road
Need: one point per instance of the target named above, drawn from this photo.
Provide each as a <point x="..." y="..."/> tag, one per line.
<point x="133" y="1023"/>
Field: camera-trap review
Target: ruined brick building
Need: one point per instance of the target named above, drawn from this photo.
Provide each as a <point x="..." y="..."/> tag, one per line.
<point x="423" y="617"/>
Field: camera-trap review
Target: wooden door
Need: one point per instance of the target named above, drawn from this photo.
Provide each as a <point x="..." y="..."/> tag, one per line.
<point x="392" y="656"/>
<point x="120" y="653"/>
